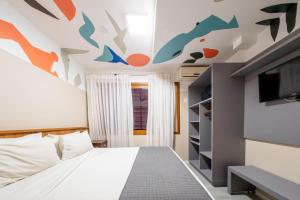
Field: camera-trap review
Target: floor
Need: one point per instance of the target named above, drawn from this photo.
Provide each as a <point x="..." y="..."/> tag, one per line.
<point x="220" y="193"/>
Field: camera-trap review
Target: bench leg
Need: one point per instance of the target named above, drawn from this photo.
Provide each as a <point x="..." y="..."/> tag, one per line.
<point x="237" y="185"/>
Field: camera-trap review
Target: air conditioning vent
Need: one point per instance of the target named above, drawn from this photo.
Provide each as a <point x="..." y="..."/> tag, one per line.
<point x="189" y="73"/>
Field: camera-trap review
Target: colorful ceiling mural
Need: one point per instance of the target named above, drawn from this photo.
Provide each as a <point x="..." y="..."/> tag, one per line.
<point x="87" y="30"/>
<point x="119" y="38"/>
<point x="110" y="56"/>
<point x="138" y="60"/>
<point x="175" y="46"/>
<point x="36" y="5"/>
<point x="195" y="56"/>
<point x="67" y="7"/>
<point x="170" y="50"/>
<point x="106" y="30"/>
<point x="290" y="10"/>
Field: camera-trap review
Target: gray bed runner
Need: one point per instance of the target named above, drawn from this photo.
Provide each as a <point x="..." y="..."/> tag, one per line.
<point x="158" y="174"/>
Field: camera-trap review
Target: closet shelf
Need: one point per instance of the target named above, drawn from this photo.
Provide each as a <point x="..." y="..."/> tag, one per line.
<point x="194" y="142"/>
<point x="195" y="137"/>
<point x="206" y="101"/>
<point x="207" y="154"/>
<point x="195" y="105"/>
<point x="196" y="121"/>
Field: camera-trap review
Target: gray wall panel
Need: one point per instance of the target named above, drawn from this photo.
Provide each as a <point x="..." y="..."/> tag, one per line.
<point x="277" y="123"/>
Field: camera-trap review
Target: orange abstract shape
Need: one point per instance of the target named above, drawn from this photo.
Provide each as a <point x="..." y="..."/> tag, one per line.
<point x="138" y="60"/>
<point x="210" y="53"/>
<point x="38" y="57"/>
<point x="202" y="40"/>
<point x="67" y="7"/>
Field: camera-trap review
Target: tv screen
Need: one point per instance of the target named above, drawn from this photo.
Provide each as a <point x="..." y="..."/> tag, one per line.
<point x="282" y="82"/>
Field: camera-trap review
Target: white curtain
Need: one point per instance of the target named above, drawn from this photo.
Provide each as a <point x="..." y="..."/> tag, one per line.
<point x="110" y="109"/>
<point x="161" y="110"/>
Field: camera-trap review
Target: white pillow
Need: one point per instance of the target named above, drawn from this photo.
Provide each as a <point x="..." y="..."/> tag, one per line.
<point x="73" y="145"/>
<point x="30" y="136"/>
<point x="55" y="140"/>
<point x="22" y="158"/>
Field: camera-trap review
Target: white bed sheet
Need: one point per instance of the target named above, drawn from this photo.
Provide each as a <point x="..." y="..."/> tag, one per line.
<point x="100" y="174"/>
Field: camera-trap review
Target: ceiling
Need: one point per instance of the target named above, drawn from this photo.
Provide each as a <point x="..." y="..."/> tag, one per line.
<point x="170" y="39"/>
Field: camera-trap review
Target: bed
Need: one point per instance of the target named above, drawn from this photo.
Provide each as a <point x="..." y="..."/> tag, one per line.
<point x="146" y="173"/>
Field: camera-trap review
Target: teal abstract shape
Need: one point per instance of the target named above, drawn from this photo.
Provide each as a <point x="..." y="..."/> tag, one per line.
<point x="87" y="30"/>
<point x="175" y="46"/>
<point x="109" y="55"/>
<point x="106" y="55"/>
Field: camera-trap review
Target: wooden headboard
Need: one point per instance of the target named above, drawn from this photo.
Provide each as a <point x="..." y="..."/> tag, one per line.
<point x="54" y="131"/>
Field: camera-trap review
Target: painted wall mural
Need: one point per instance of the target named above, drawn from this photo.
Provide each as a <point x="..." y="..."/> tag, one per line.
<point x="175" y="46"/>
<point x="67" y="7"/>
<point x="36" y="5"/>
<point x="87" y="30"/>
<point x="38" y="57"/>
<point x="290" y="10"/>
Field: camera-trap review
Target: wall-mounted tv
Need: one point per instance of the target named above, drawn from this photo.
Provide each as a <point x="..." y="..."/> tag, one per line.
<point x="281" y="82"/>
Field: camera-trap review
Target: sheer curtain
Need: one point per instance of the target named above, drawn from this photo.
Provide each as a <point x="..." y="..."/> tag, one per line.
<point x="161" y="110"/>
<point x="110" y="109"/>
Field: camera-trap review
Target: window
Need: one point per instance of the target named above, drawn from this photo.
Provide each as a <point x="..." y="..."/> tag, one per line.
<point x="140" y="107"/>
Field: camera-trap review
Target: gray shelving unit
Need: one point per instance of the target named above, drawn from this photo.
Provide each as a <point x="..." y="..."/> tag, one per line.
<point x="216" y="122"/>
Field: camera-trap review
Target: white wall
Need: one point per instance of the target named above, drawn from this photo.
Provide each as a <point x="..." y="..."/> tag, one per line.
<point x="278" y="159"/>
<point x="31" y="98"/>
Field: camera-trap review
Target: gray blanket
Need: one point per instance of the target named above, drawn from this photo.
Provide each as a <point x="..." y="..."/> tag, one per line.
<point x="158" y="174"/>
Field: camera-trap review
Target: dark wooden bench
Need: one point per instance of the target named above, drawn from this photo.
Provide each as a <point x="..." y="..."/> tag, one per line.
<point x="243" y="179"/>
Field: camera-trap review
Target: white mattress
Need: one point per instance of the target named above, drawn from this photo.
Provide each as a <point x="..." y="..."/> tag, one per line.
<point x="99" y="174"/>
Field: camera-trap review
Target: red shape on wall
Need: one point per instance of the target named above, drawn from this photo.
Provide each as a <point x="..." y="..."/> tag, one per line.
<point x="210" y="53"/>
<point x="138" y="60"/>
<point x="67" y="7"/>
<point x="202" y="40"/>
<point x="38" y="57"/>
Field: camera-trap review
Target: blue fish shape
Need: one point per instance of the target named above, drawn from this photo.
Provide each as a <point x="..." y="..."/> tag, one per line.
<point x="175" y="46"/>
<point x="109" y="55"/>
<point x="87" y="30"/>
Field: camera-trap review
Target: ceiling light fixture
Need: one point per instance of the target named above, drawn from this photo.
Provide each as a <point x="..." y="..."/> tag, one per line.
<point x="138" y="24"/>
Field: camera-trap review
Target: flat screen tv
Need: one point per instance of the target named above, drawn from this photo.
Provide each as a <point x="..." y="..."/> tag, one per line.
<point x="282" y="82"/>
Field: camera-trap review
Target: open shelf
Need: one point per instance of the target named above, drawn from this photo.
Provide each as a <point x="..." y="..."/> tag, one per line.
<point x="206" y="173"/>
<point x="197" y="137"/>
<point x="206" y="101"/>
<point x="195" y="121"/>
<point x="195" y="105"/>
<point x="207" y="154"/>
<point x="194" y="142"/>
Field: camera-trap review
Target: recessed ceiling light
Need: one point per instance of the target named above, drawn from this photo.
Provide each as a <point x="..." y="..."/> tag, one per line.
<point x="138" y="24"/>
